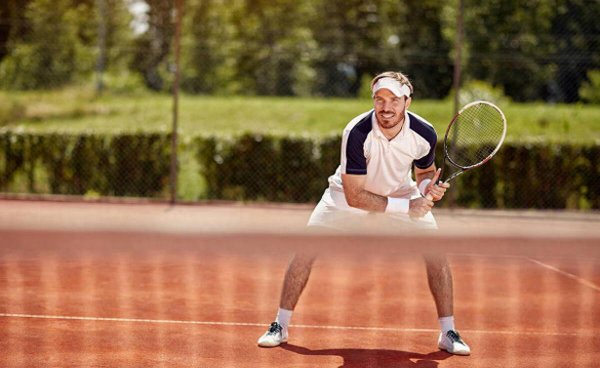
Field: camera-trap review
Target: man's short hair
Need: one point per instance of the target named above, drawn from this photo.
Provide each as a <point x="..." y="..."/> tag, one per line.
<point x="403" y="79"/>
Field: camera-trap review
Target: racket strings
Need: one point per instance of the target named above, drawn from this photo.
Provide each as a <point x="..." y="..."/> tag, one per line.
<point x="475" y="134"/>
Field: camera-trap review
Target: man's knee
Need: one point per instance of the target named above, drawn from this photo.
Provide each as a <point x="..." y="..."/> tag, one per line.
<point x="436" y="261"/>
<point x="303" y="260"/>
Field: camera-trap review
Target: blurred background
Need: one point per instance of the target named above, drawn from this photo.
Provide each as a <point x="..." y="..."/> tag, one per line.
<point x="245" y="100"/>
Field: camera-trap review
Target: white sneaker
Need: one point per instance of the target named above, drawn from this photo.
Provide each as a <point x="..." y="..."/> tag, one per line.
<point x="275" y="336"/>
<point x="452" y="343"/>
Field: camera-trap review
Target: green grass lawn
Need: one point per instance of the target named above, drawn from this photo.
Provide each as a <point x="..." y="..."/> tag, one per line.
<point x="76" y="110"/>
<point x="79" y="110"/>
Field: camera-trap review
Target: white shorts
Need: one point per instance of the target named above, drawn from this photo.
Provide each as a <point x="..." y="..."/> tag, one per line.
<point x="333" y="212"/>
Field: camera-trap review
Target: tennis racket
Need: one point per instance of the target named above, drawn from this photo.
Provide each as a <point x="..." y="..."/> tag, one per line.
<point x="473" y="137"/>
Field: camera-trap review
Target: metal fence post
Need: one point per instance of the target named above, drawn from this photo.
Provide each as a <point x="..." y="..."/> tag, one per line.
<point x="174" y="132"/>
<point x="101" y="58"/>
<point x="457" y="70"/>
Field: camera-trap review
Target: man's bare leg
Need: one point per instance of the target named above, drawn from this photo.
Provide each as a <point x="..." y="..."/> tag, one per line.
<point x="439" y="277"/>
<point x="295" y="280"/>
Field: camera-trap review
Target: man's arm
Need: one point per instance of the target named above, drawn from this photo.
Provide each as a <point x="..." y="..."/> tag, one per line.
<point x="358" y="197"/>
<point x="422" y="174"/>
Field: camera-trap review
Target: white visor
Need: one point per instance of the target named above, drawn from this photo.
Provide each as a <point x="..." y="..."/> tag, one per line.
<point x="393" y="85"/>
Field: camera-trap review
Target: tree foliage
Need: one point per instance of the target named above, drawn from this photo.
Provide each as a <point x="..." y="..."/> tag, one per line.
<point x="590" y="89"/>
<point x="576" y="36"/>
<point x="153" y="47"/>
<point x="54" y="43"/>
<point x="532" y="49"/>
<point x="48" y="56"/>
<point x="207" y="53"/>
<point x="274" y="46"/>
<point x="353" y="38"/>
<point x="12" y="24"/>
<point x="425" y="52"/>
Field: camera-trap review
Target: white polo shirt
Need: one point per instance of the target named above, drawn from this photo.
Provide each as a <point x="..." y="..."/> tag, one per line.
<point x="387" y="164"/>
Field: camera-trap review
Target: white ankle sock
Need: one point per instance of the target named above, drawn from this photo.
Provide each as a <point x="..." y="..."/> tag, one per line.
<point x="446" y="323"/>
<point x="283" y="317"/>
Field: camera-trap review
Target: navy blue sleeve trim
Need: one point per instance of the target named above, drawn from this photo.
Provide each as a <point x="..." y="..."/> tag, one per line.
<point x="356" y="162"/>
<point x="428" y="133"/>
<point x="356" y="171"/>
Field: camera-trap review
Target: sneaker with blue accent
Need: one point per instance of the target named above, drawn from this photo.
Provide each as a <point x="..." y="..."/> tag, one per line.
<point x="452" y="343"/>
<point x="275" y="336"/>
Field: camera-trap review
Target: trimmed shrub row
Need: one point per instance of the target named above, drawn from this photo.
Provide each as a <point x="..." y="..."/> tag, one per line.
<point x="540" y="176"/>
<point x="267" y="168"/>
<point x="120" y="165"/>
<point x="255" y="167"/>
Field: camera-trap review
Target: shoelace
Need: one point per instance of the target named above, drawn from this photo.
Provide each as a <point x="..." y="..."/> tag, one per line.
<point x="454" y="336"/>
<point x="275" y="328"/>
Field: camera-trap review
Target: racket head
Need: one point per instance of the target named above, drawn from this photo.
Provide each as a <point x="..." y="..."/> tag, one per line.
<point x="474" y="135"/>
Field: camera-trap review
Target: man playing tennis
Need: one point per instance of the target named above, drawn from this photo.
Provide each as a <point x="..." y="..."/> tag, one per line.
<point x="379" y="150"/>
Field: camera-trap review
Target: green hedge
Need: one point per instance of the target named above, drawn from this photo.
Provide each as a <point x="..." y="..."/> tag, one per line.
<point x="255" y="167"/>
<point x="84" y="164"/>
<point x="267" y="168"/>
<point x="540" y="176"/>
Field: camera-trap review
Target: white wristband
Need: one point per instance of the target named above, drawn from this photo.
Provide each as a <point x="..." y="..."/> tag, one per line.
<point x="423" y="185"/>
<point x="397" y="205"/>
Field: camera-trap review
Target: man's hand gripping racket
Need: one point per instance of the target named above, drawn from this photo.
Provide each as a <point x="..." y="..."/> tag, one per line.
<point x="472" y="138"/>
<point x="433" y="192"/>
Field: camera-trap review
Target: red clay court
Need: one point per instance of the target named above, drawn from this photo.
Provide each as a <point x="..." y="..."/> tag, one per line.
<point x="150" y="285"/>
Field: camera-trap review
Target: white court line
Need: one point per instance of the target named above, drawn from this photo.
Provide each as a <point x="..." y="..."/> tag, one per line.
<point x="245" y="324"/>
<point x="539" y="263"/>
<point x="567" y="274"/>
<point x="486" y="255"/>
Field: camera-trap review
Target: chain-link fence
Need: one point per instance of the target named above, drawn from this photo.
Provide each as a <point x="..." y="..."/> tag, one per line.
<point x="85" y="86"/>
